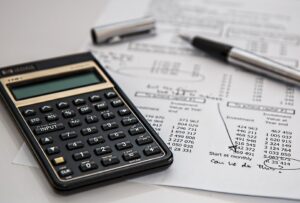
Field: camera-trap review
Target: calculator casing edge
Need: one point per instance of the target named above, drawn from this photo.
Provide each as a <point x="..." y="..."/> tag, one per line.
<point x="136" y="170"/>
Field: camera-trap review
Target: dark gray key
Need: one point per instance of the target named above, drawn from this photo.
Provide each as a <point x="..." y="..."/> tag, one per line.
<point x="107" y="161"/>
<point x="124" y="145"/>
<point x="68" y="135"/>
<point x="81" y="155"/>
<point x="87" y="166"/>
<point x="131" y="155"/>
<point x="75" y="145"/>
<point x="48" y="128"/>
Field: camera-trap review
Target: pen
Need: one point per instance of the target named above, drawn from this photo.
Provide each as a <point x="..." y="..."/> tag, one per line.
<point x="245" y="59"/>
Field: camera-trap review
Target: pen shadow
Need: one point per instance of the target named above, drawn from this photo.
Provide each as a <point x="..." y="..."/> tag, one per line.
<point x="127" y="40"/>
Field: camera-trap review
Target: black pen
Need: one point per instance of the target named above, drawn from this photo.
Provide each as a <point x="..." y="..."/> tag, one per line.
<point x="245" y="59"/>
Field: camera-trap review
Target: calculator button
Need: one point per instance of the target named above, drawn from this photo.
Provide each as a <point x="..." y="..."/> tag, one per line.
<point x="85" y="110"/>
<point x="78" y="101"/>
<point x="117" y="103"/>
<point x="58" y="160"/>
<point x="128" y="156"/>
<point x="124" y="112"/>
<point x="46" y="108"/>
<point x="34" y="121"/>
<point x="75" y="145"/>
<point x="110" y="95"/>
<point x="144" y="139"/>
<point x="74" y="123"/>
<point x="29" y="112"/>
<point x="109" y="126"/>
<point x="135" y="130"/>
<point x="46" y="140"/>
<point x="107" y="161"/>
<point x="48" y="128"/>
<point x="116" y="135"/>
<point x="68" y="135"/>
<point x="51" y="117"/>
<point x="103" y="150"/>
<point x="107" y="115"/>
<point x="68" y="113"/>
<point x="87" y="166"/>
<point x="89" y="130"/>
<point x="124" y="145"/>
<point x="151" y="150"/>
<point x="81" y="155"/>
<point x="129" y="121"/>
<point x="65" y="172"/>
<point x="91" y="119"/>
<point x="95" y="140"/>
<point x="62" y="105"/>
<point x="101" y="106"/>
<point x="95" y="98"/>
<point x="52" y="150"/>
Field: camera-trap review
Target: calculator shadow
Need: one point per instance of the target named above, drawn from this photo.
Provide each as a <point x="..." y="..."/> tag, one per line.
<point x="129" y="191"/>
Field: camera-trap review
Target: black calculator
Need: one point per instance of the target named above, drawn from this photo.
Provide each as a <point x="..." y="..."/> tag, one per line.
<point x="79" y="124"/>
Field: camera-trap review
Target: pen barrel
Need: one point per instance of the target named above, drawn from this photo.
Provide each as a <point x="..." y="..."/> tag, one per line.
<point x="263" y="66"/>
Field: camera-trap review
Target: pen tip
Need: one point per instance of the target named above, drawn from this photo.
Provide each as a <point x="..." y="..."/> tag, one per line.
<point x="185" y="37"/>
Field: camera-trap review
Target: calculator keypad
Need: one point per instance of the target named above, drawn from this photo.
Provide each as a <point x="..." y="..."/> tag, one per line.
<point x="90" y="133"/>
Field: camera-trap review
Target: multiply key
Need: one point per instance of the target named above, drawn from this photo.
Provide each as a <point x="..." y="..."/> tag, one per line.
<point x="136" y="130"/>
<point x="48" y="128"/>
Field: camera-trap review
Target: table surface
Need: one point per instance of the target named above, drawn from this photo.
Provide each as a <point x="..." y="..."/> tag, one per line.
<point x="32" y="30"/>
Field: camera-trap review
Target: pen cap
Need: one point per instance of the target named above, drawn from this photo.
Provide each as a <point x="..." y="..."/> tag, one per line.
<point x="117" y="31"/>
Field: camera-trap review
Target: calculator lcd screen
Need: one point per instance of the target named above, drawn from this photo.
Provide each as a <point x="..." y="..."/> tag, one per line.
<point x="47" y="86"/>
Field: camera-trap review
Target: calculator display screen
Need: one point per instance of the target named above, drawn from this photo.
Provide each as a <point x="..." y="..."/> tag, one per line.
<point x="57" y="84"/>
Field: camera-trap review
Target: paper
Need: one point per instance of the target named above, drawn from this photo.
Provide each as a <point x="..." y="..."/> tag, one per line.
<point x="230" y="130"/>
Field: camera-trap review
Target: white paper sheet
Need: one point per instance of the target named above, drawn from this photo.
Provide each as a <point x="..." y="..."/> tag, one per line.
<point x="230" y="130"/>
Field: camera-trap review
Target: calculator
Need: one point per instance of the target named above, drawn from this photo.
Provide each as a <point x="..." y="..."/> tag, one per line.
<point x="79" y="124"/>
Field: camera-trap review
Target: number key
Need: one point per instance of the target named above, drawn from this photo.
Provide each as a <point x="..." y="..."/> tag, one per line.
<point x="124" y="145"/>
<point x="103" y="150"/>
<point x="75" y="145"/>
